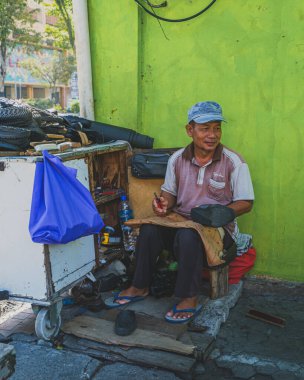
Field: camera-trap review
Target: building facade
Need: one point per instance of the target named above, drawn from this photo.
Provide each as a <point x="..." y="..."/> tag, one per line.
<point x="248" y="56"/>
<point x="19" y="83"/>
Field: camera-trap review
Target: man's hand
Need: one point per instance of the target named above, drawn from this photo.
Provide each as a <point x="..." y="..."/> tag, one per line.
<point x="160" y="206"/>
<point x="163" y="204"/>
<point x="241" y="207"/>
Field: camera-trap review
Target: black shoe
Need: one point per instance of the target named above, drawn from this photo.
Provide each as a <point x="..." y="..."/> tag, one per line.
<point x="163" y="283"/>
<point x="96" y="305"/>
<point x="212" y="215"/>
<point x="125" y="322"/>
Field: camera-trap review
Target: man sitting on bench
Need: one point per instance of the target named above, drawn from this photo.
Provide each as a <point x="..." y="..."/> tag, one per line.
<point x="203" y="173"/>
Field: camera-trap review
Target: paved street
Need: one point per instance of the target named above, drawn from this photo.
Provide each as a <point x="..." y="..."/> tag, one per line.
<point x="245" y="348"/>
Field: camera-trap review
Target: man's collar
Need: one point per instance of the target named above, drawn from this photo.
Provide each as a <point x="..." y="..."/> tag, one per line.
<point x="188" y="153"/>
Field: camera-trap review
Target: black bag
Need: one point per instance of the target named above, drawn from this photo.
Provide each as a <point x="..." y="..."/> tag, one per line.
<point x="212" y="215"/>
<point x="163" y="283"/>
<point x="149" y="165"/>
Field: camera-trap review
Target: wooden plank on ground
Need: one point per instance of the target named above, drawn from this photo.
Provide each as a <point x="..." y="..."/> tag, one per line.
<point x="204" y="344"/>
<point x="142" y="356"/>
<point x="148" y="322"/>
<point x="103" y="331"/>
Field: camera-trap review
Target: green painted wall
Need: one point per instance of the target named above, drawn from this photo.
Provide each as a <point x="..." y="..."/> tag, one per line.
<point x="248" y="56"/>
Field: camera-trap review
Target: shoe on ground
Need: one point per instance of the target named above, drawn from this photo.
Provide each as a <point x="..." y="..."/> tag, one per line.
<point x="96" y="305"/>
<point x="125" y="322"/>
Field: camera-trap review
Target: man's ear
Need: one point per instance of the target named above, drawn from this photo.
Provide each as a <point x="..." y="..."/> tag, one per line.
<point x="189" y="130"/>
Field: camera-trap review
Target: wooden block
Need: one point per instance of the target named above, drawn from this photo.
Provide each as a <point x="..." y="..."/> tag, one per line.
<point x="204" y="344"/>
<point x="53" y="136"/>
<point x="103" y="331"/>
<point x="10" y="153"/>
<point x="219" y="282"/>
<point x="265" y="317"/>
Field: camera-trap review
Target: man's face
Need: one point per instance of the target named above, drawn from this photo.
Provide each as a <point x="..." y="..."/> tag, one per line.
<point x="205" y="136"/>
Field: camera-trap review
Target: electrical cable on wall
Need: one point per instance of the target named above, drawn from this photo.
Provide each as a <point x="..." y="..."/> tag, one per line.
<point x="163" y="4"/>
<point x="153" y="14"/>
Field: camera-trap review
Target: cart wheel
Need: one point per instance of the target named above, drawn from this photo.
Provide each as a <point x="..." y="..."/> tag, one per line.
<point x="43" y="327"/>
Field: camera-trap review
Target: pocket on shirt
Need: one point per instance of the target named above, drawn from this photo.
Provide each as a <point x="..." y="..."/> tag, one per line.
<point x="216" y="189"/>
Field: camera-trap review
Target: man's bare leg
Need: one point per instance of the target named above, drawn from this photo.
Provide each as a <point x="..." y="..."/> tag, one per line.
<point x="132" y="292"/>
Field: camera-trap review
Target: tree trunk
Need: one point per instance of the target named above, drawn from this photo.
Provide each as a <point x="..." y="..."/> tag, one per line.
<point x="2" y="74"/>
<point x="1" y="87"/>
<point x="67" y="19"/>
<point x="53" y="93"/>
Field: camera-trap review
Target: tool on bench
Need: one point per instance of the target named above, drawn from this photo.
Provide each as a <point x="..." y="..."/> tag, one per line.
<point x="158" y="201"/>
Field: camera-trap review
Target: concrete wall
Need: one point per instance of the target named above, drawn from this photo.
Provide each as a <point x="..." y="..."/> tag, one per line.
<point x="248" y="56"/>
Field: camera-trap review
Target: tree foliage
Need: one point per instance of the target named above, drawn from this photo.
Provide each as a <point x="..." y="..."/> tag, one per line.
<point x="62" y="33"/>
<point x="55" y="71"/>
<point x="16" y="27"/>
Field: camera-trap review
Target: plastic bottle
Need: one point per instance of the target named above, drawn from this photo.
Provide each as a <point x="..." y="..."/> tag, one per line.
<point x="125" y="213"/>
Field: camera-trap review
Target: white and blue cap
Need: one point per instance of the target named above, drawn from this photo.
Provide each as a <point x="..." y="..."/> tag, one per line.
<point x="205" y="111"/>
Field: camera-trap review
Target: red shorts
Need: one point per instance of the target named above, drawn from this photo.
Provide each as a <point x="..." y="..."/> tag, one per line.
<point x="239" y="266"/>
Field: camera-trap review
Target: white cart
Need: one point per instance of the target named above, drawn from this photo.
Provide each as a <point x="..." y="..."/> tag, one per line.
<point x="38" y="273"/>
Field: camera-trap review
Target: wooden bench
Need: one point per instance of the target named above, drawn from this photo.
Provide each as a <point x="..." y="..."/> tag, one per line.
<point x="218" y="282"/>
<point x="140" y="195"/>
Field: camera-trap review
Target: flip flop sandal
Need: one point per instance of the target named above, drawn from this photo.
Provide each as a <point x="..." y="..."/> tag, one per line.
<point x="195" y="312"/>
<point x="111" y="302"/>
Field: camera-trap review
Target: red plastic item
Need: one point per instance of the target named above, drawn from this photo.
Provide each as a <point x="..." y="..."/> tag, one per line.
<point x="238" y="267"/>
<point x="241" y="265"/>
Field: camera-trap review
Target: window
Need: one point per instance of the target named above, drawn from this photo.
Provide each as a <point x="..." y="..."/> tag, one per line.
<point x="51" y="20"/>
<point x="39" y="93"/>
<point x="8" y="91"/>
<point x="23" y="92"/>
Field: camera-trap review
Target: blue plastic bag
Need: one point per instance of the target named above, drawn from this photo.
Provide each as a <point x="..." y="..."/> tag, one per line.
<point x="62" y="207"/>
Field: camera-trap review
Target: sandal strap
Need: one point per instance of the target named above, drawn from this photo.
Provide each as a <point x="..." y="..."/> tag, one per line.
<point x="117" y="297"/>
<point x="127" y="298"/>
<point x="190" y="310"/>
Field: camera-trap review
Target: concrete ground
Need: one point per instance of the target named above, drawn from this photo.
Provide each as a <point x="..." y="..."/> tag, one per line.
<point x="245" y="348"/>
